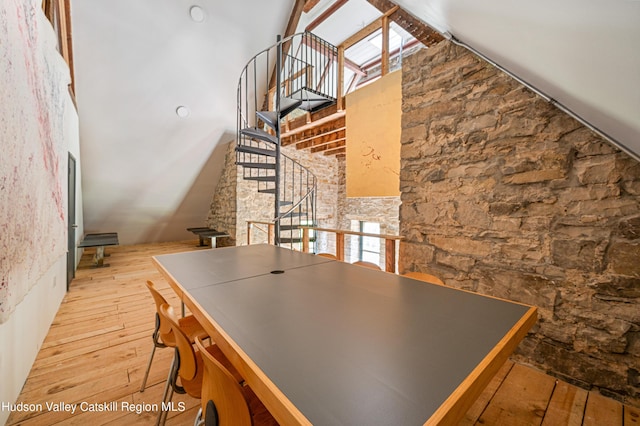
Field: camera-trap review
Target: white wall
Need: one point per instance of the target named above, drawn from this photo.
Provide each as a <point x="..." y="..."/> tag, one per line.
<point x="23" y="333"/>
<point x="37" y="111"/>
<point x="584" y="54"/>
<point x="149" y="174"/>
<point x="21" y="336"/>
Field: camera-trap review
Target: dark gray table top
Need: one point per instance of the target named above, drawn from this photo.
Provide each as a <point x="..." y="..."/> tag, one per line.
<point x="347" y="345"/>
<point x="206" y="267"/>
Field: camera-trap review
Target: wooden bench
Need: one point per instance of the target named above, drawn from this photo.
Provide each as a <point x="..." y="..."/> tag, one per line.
<point x="99" y="241"/>
<point x="203" y="233"/>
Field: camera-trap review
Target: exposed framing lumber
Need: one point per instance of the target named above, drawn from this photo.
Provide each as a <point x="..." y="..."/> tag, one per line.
<point x="329" y="147"/>
<point x="340" y="92"/>
<point x="392" y="54"/>
<point x="380" y="23"/>
<point x="326" y="14"/>
<point x="324" y="132"/>
<point x="369" y="29"/>
<point x="316" y="118"/>
<point x="314" y="132"/>
<point x="319" y="141"/>
<point x="385" y="46"/>
<point x="355" y="38"/>
<point x="310" y="4"/>
<point x="338" y="152"/>
<point x="347" y="63"/>
<point x="294" y="19"/>
<point x="327" y="135"/>
<point x="420" y="30"/>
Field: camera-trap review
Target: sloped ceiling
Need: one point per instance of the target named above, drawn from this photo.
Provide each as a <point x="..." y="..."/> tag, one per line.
<point x="148" y="174"/>
<point x="585" y="54"/>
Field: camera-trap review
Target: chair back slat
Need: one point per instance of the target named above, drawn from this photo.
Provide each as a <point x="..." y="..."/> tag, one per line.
<point x="423" y="276"/>
<point x="188" y="368"/>
<point x="369" y="265"/>
<point x="219" y="386"/>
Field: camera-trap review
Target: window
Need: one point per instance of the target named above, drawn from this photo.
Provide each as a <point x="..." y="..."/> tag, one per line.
<point x="369" y="247"/>
<point x="312" y="236"/>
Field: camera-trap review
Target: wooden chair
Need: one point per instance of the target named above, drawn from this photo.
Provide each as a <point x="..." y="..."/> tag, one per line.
<point x="367" y="265"/>
<point x="328" y="256"/>
<point x="225" y="402"/>
<point x="163" y="336"/>
<point x="422" y="276"/>
<point x="187" y="364"/>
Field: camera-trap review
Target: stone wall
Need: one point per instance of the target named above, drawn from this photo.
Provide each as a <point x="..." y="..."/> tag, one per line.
<point x="325" y="168"/>
<point x="384" y="210"/>
<point x="504" y="194"/>
<point x="237" y="201"/>
<point x="222" y="213"/>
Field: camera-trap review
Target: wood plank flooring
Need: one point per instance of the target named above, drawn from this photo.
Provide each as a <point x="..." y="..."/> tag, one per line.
<point x="97" y="350"/>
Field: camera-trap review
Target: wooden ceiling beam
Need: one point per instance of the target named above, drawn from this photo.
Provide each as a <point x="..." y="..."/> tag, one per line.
<point x="321" y="147"/>
<point x="328" y="134"/>
<point x="338" y="152"/>
<point x="392" y="54"/>
<point x="328" y="139"/>
<point x="327" y="146"/>
<point x="294" y="19"/>
<point x="310" y="4"/>
<point x="384" y="58"/>
<point x="303" y="122"/>
<point x="315" y="135"/>
<point x="326" y="14"/>
<point x="292" y="24"/>
<point x="420" y="30"/>
<point x="312" y="132"/>
<point x="366" y="31"/>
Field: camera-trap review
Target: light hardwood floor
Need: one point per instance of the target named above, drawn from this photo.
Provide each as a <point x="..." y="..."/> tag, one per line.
<point x="98" y="346"/>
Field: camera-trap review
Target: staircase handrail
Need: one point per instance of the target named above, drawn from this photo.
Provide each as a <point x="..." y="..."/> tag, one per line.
<point x="306" y="196"/>
<point x="259" y="148"/>
<point x="243" y="118"/>
<point x="296" y="205"/>
<point x="268" y="49"/>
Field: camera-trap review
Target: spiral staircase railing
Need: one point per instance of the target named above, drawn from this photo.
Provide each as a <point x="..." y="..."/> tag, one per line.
<point x="305" y="67"/>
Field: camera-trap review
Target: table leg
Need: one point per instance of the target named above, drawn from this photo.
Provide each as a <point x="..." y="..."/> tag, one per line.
<point x="98" y="258"/>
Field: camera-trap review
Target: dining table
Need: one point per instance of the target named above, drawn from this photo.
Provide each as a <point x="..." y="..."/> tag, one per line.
<point x="325" y="342"/>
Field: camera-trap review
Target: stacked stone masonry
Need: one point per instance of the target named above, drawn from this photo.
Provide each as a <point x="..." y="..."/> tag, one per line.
<point x="383" y="210"/>
<point x="237" y="201"/>
<point x="223" y="210"/>
<point x="506" y="195"/>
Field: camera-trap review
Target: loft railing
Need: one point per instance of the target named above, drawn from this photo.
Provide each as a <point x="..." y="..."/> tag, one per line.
<point x="305" y="246"/>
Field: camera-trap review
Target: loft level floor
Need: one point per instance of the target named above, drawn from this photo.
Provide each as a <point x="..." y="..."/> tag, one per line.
<point x="98" y="346"/>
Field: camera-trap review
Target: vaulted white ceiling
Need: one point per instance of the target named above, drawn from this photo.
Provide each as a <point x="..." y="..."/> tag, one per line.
<point x="148" y="173"/>
<point x="585" y="54"/>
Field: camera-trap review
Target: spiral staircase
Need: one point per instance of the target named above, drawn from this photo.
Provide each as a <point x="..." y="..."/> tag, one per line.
<point x="299" y="75"/>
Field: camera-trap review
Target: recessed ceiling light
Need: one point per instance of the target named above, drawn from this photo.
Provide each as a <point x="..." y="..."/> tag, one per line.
<point x="182" y="111"/>
<point x="197" y="13"/>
